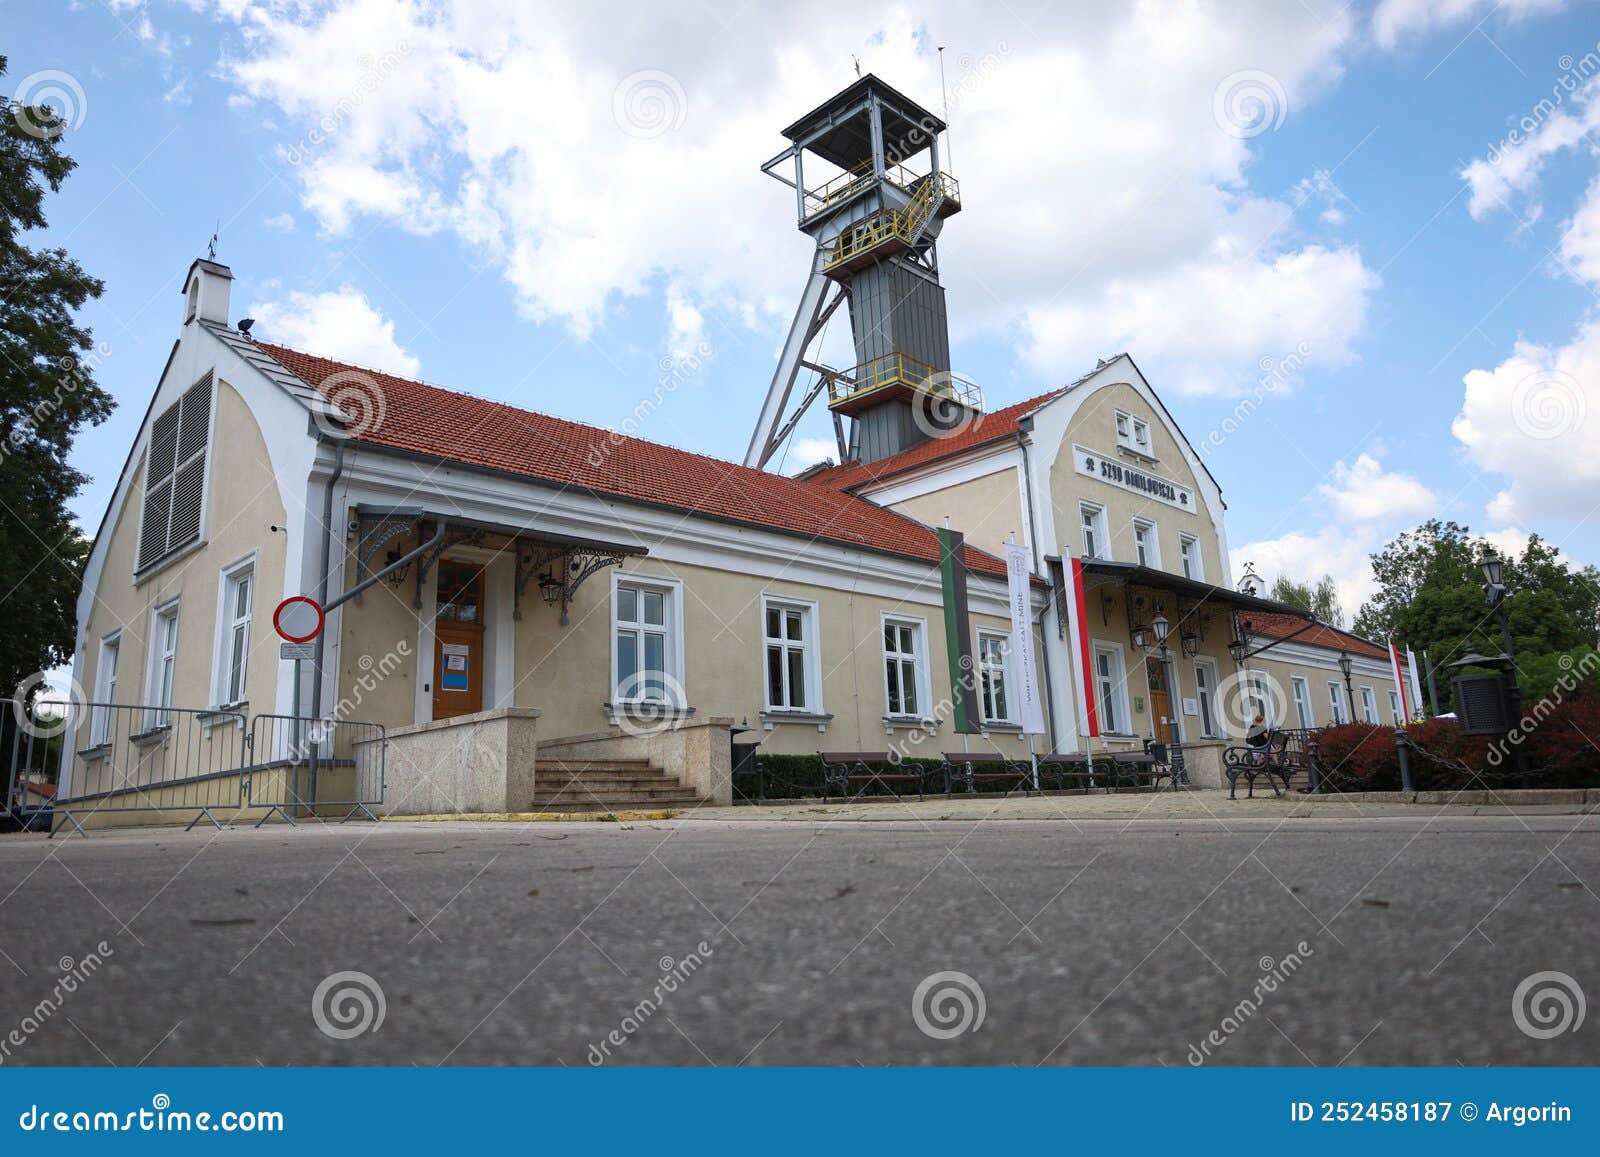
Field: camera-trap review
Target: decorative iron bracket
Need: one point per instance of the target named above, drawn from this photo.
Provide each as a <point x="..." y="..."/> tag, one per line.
<point x="466" y="536"/>
<point x="531" y="558"/>
<point x="377" y="533"/>
<point x="579" y="565"/>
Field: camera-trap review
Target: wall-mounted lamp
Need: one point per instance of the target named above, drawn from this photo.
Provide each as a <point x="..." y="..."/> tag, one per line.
<point x="1190" y="643"/>
<point x="1160" y="626"/>
<point x="1238" y="649"/>
<point x="549" y="588"/>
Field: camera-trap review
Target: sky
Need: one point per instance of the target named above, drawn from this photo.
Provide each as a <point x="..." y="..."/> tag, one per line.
<point x="1354" y="247"/>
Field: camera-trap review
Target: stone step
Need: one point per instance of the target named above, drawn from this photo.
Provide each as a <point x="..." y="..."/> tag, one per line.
<point x="556" y="763"/>
<point x="590" y="806"/>
<point x="665" y="791"/>
<point x="601" y="781"/>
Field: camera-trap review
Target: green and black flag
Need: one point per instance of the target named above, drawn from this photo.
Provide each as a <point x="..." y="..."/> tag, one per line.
<point x="957" y="628"/>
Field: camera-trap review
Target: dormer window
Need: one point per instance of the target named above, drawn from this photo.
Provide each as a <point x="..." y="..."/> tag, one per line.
<point x="175" y="475"/>
<point x="1133" y="434"/>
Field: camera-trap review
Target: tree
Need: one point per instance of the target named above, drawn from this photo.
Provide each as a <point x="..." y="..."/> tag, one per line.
<point x="49" y="394"/>
<point x="1321" y="600"/>
<point x="1430" y="597"/>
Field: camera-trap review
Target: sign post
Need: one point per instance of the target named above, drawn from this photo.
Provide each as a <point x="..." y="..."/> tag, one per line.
<point x="298" y="621"/>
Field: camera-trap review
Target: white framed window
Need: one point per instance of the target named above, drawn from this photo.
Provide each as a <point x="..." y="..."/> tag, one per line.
<point x="1189" y="554"/>
<point x="647" y="640"/>
<point x="163" y="664"/>
<point x="1205" y="695"/>
<point x="1302" y="701"/>
<point x="175" y="475"/>
<point x="236" y="591"/>
<point x="792" y="664"/>
<point x="1096" y="542"/>
<point x="905" y="667"/>
<point x="1133" y="433"/>
<point x="1336" y="701"/>
<point x="1111" y="690"/>
<point x="105" y="688"/>
<point x="1369" y="705"/>
<point x="994" y="676"/>
<point x="1258" y="693"/>
<point x="1146" y="543"/>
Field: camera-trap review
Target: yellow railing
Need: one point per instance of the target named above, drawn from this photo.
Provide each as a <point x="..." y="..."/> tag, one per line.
<point x="899" y="370"/>
<point x="905" y="224"/>
<point x="836" y="189"/>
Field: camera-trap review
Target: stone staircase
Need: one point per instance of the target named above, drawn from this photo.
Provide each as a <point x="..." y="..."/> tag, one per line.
<point x="606" y="785"/>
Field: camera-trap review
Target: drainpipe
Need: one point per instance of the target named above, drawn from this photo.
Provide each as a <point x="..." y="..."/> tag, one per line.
<point x="326" y="561"/>
<point x="1038" y="568"/>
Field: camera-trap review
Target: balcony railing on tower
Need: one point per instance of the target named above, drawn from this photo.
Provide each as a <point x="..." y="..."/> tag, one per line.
<point x="873" y="380"/>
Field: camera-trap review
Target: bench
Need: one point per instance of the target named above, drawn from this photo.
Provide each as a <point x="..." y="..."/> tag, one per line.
<point x="1066" y="768"/>
<point x="1271" y="759"/>
<point x="997" y="769"/>
<point x="1136" y="767"/>
<point x="847" y="768"/>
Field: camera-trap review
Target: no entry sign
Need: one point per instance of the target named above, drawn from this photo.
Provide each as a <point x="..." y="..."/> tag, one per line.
<point x="298" y="619"/>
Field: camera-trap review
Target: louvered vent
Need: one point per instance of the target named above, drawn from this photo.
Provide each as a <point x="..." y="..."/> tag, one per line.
<point x="174" y="489"/>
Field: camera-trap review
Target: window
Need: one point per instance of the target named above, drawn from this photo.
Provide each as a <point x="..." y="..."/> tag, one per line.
<point x="163" y="663"/>
<point x="1394" y="708"/>
<point x="237" y="592"/>
<point x="1302" y="701"/>
<point x="902" y="666"/>
<point x="1189" y="552"/>
<point x="1369" y="705"/>
<point x="790" y="645"/>
<point x="1146" y="546"/>
<point x="647" y="651"/>
<point x="175" y="475"/>
<point x="105" y="688"/>
<point x="1336" y="702"/>
<point x="1259" y="696"/>
<point x="1095" y="539"/>
<point x="1133" y="433"/>
<point x="1205" y="694"/>
<point x="1111" y="691"/>
<point x="994" y="660"/>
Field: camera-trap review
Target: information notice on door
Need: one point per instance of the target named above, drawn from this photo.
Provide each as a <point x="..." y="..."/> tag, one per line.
<point x="454" y="675"/>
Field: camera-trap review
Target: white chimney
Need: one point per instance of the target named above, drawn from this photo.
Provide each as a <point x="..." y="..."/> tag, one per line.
<point x="205" y="292"/>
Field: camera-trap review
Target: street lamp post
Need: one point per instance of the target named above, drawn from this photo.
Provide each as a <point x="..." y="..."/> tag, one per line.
<point x="1346" y="666"/>
<point x="1494" y="593"/>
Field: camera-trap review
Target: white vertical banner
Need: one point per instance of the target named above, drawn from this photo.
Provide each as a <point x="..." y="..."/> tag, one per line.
<point x="1019" y="574"/>
<point x="1400" y="687"/>
<point x="1416" y="684"/>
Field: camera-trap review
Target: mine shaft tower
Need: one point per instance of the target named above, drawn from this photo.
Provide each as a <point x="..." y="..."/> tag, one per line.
<point x="875" y="214"/>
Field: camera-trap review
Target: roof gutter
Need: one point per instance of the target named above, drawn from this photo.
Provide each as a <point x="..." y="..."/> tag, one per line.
<point x="325" y="561"/>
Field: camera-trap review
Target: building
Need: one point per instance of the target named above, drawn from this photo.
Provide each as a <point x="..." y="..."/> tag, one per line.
<point x="551" y="615"/>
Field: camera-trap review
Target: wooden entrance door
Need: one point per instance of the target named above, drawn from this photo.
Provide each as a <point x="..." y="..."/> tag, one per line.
<point x="1162" y="722"/>
<point x="458" y="641"/>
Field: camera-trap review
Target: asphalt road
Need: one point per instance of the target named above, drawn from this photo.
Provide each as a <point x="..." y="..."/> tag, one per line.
<point x="1091" y="943"/>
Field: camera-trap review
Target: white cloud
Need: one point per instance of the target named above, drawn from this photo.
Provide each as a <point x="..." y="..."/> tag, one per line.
<point x="804" y="452"/>
<point x="282" y="222"/>
<point x="341" y="323"/>
<point x="1533" y="418"/>
<point x="1511" y="169"/>
<point x="1091" y="203"/>
<point x="1363" y="491"/>
<point x="1396" y="20"/>
<point x="1341" y="552"/>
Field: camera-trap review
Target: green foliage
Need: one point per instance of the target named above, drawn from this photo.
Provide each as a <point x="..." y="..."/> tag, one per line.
<point x="1430" y="598"/>
<point x="1559" y="674"/>
<point x="1321" y="600"/>
<point x="46" y="366"/>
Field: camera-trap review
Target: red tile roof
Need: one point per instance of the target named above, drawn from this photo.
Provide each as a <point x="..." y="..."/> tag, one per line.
<point x="999" y="425"/>
<point x="1282" y="626"/>
<point x="428" y="420"/>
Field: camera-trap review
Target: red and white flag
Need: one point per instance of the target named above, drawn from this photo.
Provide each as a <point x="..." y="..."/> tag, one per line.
<point x="1078" y="637"/>
<point x="1400" y="684"/>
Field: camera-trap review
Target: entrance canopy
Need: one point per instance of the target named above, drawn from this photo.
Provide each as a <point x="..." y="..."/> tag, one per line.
<point x="1125" y="591"/>
<point x="560" y="563"/>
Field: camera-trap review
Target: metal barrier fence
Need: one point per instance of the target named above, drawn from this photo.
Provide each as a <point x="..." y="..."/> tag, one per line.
<point x="299" y="765"/>
<point x="134" y="758"/>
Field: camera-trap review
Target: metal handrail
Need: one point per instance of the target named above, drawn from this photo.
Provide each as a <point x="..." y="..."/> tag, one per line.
<point x="905" y="224"/>
<point x="897" y="369"/>
<point x="838" y="188"/>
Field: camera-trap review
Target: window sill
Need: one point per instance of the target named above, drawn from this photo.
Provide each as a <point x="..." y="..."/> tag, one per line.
<point x="1141" y="455"/>
<point x="1002" y="726"/>
<point x="224" y="714"/>
<point x="152" y="735"/>
<point x="97" y="752"/>
<point x="646" y="710"/>
<point x="162" y="564"/>
<point x="916" y="722"/>
<point x="773" y="716"/>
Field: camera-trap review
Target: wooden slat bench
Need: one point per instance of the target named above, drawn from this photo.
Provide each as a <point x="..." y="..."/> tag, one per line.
<point x="1137" y="768"/>
<point x="1064" y="769"/>
<point x="848" y="768"/>
<point x="975" y="767"/>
